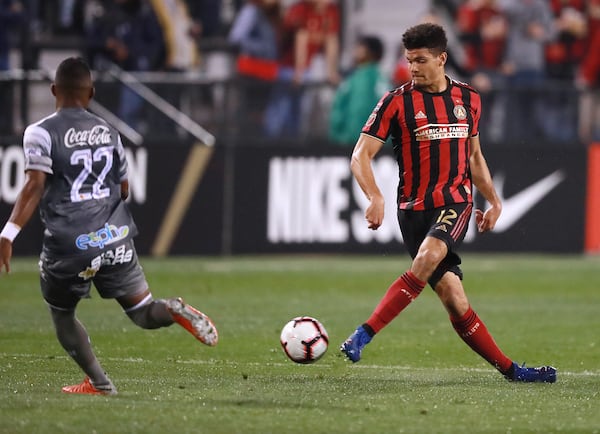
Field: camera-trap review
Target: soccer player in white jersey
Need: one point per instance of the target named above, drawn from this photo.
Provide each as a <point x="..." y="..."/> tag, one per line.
<point x="76" y="172"/>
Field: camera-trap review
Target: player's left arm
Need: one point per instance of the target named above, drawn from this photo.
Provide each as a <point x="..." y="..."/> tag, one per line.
<point x="27" y="202"/>
<point x="124" y="189"/>
<point x="480" y="174"/>
<point x="123" y="169"/>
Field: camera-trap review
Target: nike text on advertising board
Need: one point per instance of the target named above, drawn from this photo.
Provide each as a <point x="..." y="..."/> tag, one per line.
<point x="309" y="200"/>
<point x="316" y="200"/>
<point x="306" y="199"/>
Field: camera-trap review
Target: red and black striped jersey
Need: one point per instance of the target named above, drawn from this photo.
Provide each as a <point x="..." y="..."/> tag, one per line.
<point x="431" y="136"/>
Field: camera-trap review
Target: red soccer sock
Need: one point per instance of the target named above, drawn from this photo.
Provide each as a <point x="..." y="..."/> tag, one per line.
<point x="399" y="295"/>
<point x="474" y="332"/>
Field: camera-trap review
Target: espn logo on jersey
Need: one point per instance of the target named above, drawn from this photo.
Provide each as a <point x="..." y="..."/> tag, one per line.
<point x="108" y="234"/>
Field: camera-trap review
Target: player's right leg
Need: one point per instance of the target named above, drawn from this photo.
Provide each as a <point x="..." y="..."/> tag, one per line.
<point x="427" y="253"/>
<point x="427" y="236"/>
<point x="150" y="314"/>
<point x="194" y="321"/>
<point x="125" y="281"/>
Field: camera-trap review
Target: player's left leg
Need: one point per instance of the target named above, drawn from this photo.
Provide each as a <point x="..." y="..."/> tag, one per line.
<point x="475" y="334"/>
<point x="74" y="339"/>
<point x="62" y="292"/>
<point x="467" y="323"/>
<point x="427" y="252"/>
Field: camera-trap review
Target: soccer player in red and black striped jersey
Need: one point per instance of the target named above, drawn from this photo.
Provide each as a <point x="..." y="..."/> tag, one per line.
<point x="433" y="124"/>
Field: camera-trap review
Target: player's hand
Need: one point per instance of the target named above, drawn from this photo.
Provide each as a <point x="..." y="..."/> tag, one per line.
<point x="486" y="221"/>
<point x="374" y="213"/>
<point x="5" y="254"/>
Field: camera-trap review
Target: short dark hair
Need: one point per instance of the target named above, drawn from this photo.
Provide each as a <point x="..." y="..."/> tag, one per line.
<point x="374" y="46"/>
<point x="426" y="35"/>
<point x="73" y="72"/>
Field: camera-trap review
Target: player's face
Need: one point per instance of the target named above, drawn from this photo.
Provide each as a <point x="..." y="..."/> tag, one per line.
<point x="426" y="68"/>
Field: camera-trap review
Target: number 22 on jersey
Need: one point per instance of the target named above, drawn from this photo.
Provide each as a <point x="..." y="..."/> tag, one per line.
<point x="85" y="158"/>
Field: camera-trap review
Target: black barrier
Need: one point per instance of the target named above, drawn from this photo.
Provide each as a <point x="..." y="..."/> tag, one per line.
<point x="272" y="199"/>
<point x="154" y="175"/>
<point x="305" y="201"/>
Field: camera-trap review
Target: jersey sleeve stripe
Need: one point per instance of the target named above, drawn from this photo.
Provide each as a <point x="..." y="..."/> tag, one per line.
<point x="37" y="148"/>
<point x="378" y="124"/>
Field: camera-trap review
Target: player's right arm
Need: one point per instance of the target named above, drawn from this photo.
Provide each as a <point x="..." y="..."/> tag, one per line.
<point x="365" y="150"/>
<point x="37" y="147"/>
<point x="27" y="202"/>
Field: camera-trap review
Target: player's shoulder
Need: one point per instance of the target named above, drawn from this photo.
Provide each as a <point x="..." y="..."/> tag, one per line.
<point x="40" y="127"/>
<point x="42" y="123"/>
<point x="396" y="96"/>
<point x="98" y="119"/>
<point x="403" y="89"/>
<point x="462" y="84"/>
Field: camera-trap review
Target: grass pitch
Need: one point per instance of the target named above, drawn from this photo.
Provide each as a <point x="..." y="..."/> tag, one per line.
<point x="415" y="377"/>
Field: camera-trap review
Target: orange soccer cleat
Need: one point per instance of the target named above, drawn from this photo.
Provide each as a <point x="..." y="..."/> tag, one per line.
<point x="87" y="388"/>
<point x="193" y="321"/>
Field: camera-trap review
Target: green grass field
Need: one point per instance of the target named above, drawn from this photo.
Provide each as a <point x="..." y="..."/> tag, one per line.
<point x="415" y="377"/>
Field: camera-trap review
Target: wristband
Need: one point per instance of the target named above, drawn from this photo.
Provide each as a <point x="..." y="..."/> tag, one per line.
<point x="10" y="231"/>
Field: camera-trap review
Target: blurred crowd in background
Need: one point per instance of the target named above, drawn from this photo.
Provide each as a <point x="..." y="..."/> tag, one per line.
<point x="535" y="62"/>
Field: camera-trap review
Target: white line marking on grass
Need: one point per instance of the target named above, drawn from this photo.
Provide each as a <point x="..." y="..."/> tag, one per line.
<point x="463" y="369"/>
<point x="230" y="363"/>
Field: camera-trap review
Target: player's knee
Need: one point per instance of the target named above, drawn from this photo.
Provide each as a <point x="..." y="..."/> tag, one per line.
<point x="61" y="316"/>
<point x="141" y="317"/>
<point x="428" y="258"/>
<point x="147" y="317"/>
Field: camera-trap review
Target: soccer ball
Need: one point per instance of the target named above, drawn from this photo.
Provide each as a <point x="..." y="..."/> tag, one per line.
<point x="304" y="339"/>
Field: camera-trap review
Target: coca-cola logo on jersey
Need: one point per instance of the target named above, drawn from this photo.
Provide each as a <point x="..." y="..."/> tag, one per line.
<point x="98" y="135"/>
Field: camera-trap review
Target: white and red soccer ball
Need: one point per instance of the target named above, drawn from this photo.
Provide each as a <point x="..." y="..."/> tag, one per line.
<point x="304" y="339"/>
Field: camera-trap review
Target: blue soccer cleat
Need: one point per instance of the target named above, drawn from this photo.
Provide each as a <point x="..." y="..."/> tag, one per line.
<point x="543" y="374"/>
<point x="353" y="346"/>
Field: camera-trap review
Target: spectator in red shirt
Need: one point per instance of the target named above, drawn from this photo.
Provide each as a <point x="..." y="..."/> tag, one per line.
<point x="482" y="29"/>
<point x="563" y="55"/>
<point x="589" y="79"/>
<point x="310" y="27"/>
<point x="593" y="13"/>
<point x="401" y="72"/>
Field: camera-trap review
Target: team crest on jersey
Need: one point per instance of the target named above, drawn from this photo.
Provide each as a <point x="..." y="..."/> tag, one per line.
<point x="370" y="120"/>
<point x="460" y="112"/>
<point x="373" y="115"/>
